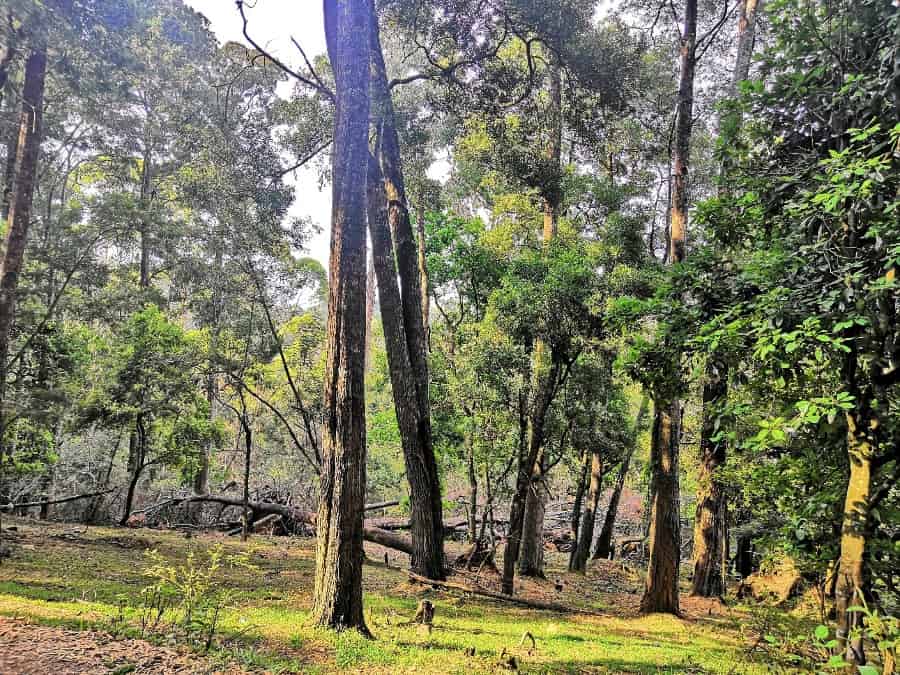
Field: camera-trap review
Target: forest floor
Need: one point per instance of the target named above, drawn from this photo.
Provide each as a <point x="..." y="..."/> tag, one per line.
<point x="70" y="599"/>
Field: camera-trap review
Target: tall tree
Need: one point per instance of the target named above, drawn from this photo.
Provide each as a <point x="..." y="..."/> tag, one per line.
<point x="661" y="592"/>
<point x="29" y="146"/>
<point x="406" y="340"/>
<point x="710" y="554"/>
<point x="338" y="599"/>
<point x="531" y="558"/>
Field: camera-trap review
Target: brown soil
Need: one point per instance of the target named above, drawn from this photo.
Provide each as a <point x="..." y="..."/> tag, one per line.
<point x="28" y="649"/>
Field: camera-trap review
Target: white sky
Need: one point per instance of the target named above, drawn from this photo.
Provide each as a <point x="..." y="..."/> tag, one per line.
<point x="272" y="24"/>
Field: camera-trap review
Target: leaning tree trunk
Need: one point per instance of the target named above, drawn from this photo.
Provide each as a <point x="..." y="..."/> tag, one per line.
<point x="661" y="592"/>
<point x="851" y="581"/>
<point x="578" y="561"/>
<point x="25" y="177"/>
<point x="422" y="469"/>
<point x="710" y="523"/>
<point x="338" y="597"/>
<point x="406" y="406"/>
<point x="604" y="547"/>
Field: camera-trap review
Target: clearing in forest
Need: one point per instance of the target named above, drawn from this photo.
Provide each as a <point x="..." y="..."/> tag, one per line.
<point x="62" y="580"/>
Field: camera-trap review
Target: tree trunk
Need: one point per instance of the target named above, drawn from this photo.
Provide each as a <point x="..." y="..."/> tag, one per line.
<point x="710" y="540"/>
<point x="146" y="183"/>
<point x="423" y="265"/>
<point x="743" y="558"/>
<point x="683" y="124"/>
<point x="427" y="558"/>
<point x="531" y="562"/>
<point x="580" y="489"/>
<point x="579" y="558"/>
<point x="746" y="39"/>
<point x="531" y="439"/>
<point x="422" y="469"/>
<point x="140" y="457"/>
<point x="472" y="530"/>
<point x="605" y="540"/>
<point x="531" y="558"/>
<point x="338" y="598"/>
<point x="661" y="592"/>
<point x="711" y="522"/>
<point x="247" y="515"/>
<point x="851" y="579"/>
<point x="370" y="309"/>
<point x="27" y="155"/>
<point x="9" y="174"/>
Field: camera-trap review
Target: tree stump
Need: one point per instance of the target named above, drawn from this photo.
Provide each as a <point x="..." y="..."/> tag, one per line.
<point x="424" y="613"/>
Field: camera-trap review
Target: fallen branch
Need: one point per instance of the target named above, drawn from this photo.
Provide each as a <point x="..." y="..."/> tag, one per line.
<point x="50" y="502"/>
<point x="382" y="505"/>
<point x="291" y="514"/>
<point x="531" y="604"/>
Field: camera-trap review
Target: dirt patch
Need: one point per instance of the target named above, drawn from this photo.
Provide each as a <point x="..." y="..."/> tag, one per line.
<point x="28" y="649"/>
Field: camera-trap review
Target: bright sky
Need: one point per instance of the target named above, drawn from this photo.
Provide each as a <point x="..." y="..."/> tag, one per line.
<point x="272" y="24"/>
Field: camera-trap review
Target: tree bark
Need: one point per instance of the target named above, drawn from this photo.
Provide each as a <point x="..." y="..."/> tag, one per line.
<point x="138" y="439"/>
<point x="421" y="464"/>
<point x="746" y="39"/>
<point x="370" y="309"/>
<point x="247" y="515"/>
<point x="531" y="438"/>
<point x="862" y="428"/>
<point x="146" y="183"/>
<point x="710" y="540"/>
<point x="427" y="557"/>
<point x="27" y="155"/>
<point x="531" y="558"/>
<point x="9" y="174"/>
<point x="604" y="547"/>
<point x="423" y="266"/>
<point x="338" y="598"/>
<point x="661" y="592"/>
<point x="472" y="529"/>
<point x="683" y="125"/>
<point x="580" y="489"/>
<point x="579" y="558"/>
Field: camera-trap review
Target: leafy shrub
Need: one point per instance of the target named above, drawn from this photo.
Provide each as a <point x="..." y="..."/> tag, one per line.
<point x="188" y="597"/>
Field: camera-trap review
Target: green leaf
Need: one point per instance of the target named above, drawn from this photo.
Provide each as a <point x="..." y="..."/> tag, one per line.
<point x="821" y="632"/>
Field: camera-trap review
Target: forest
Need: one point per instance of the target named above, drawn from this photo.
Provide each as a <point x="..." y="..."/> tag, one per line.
<point x="590" y="365"/>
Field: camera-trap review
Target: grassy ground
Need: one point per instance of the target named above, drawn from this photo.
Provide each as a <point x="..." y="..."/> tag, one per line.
<point x="92" y="578"/>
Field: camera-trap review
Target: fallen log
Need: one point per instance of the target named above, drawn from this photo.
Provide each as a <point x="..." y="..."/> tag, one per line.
<point x="290" y="513"/>
<point x="381" y="505"/>
<point x="475" y="590"/>
<point x="270" y="522"/>
<point x="50" y="502"/>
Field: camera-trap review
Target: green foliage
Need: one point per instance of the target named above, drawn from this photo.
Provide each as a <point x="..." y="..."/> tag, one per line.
<point x="188" y="594"/>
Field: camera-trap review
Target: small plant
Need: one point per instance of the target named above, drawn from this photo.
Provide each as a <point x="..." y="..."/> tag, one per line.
<point x="191" y="594"/>
<point x="820" y="652"/>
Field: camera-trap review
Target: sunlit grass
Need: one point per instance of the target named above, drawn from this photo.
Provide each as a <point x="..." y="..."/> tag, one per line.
<point x="91" y="581"/>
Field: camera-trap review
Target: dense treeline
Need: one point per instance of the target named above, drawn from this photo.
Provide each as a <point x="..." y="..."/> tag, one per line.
<point x="660" y="257"/>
